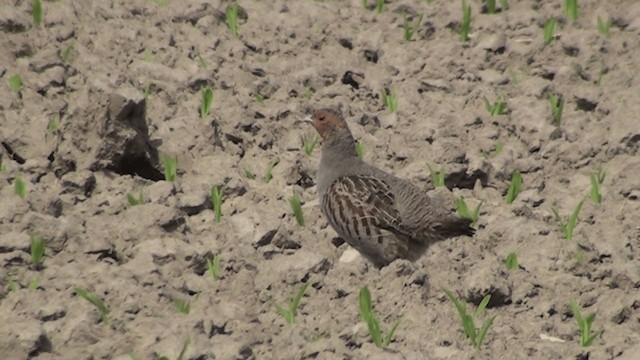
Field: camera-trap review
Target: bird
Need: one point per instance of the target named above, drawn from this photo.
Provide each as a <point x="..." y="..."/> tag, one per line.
<point x="382" y="216"/>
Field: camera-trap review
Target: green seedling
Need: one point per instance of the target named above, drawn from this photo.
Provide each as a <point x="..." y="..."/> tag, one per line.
<point x="53" y="124"/>
<point x="96" y="301"/>
<point x="205" y="102"/>
<point x="596" y="180"/>
<point x="259" y="98"/>
<point x="370" y="318"/>
<point x="170" y="165"/>
<point x="232" y="18"/>
<point x="182" y="354"/>
<point x="557" y="106"/>
<point x="496" y="151"/>
<point x="437" y="177"/>
<point x="294" y="201"/>
<point x="514" y="187"/>
<point x="571" y="9"/>
<point x="409" y="29"/>
<point x="548" y="33"/>
<point x="268" y="175"/>
<point x="308" y="93"/>
<point x="567" y="227"/>
<point x="463" y="210"/>
<point x="182" y="306"/>
<point x="379" y="6"/>
<point x="133" y="200"/>
<point x="584" y="323"/>
<point x="34" y="283"/>
<point x="468" y="323"/>
<point x="601" y="74"/>
<point x="390" y="100"/>
<point x="491" y="6"/>
<point x="64" y="56"/>
<point x="309" y="144"/>
<point x="147" y="90"/>
<point x="216" y="198"/>
<point x="603" y="26"/>
<point x="147" y="55"/>
<point x="37" y="250"/>
<point x="595" y="194"/>
<point x="360" y="149"/>
<point x="214" y="267"/>
<point x="161" y="2"/>
<point x="15" y="83"/>
<point x="497" y="108"/>
<point x="202" y="63"/>
<point x="11" y="284"/>
<point x="291" y="311"/>
<point x="3" y="167"/>
<point x="465" y="26"/>
<point x="36" y="12"/>
<point x="511" y="262"/>
<point x="249" y="174"/>
<point x="20" y="187"/>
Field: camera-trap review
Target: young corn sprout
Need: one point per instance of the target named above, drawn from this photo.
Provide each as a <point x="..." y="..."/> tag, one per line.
<point x="15" y="83"/>
<point x="170" y="165"/>
<point x="20" y="187"/>
<point x="567" y="227"/>
<point x="96" y="301"/>
<point x="232" y="18"/>
<point x="511" y="262"/>
<point x="571" y="9"/>
<point x="548" y="33"/>
<point x="390" y="100"/>
<point x="268" y="175"/>
<point x="514" y="187"/>
<point x="296" y="205"/>
<point x="213" y="265"/>
<point x="133" y="200"/>
<point x="182" y="306"/>
<point x="205" y="102"/>
<point x="468" y="323"/>
<point x="290" y="312"/>
<point x="437" y="177"/>
<point x="409" y="29"/>
<point x="557" y="106"/>
<point x="216" y="198"/>
<point x="53" y="124"/>
<point x="491" y="6"/>
<point x="596" y="180"/>
<point x="369" y="317"/>
<point x="497" y="108"/>
<point x="465" y="26"/>
<point x="360" y="149"/>
<point x="309" y="144"/>
<point x="37" y="251"/>
<point x="603" y="26"/>
<point x="587" y="336"/>
<point x="463" y="210"/>
<point x="36" y="12"/>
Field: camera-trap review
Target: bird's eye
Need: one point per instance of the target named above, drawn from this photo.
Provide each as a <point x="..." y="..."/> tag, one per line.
<point x="321" y="117"/>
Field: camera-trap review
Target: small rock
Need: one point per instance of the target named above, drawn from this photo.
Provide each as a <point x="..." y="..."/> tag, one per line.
<point x="79" y="183"/>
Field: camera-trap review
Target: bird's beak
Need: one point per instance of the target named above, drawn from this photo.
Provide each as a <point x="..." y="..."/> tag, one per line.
<point x="307" y="119"/>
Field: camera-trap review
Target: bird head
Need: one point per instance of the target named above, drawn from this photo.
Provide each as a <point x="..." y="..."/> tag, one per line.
<point x="328" y="124"/>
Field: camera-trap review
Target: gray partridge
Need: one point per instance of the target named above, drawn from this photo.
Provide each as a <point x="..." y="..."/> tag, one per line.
<point x="380" y="215"/>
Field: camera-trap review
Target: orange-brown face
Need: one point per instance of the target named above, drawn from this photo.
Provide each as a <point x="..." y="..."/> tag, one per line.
<point x="326" y="122"/>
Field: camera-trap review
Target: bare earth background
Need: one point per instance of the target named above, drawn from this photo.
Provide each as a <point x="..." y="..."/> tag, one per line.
<point x="298" y="56"/>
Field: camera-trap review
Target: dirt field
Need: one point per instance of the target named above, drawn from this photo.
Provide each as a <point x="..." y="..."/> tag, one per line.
<point x="109" y="88"/>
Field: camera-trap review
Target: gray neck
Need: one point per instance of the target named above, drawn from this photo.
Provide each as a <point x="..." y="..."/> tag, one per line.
<point x="339" y="158"/>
